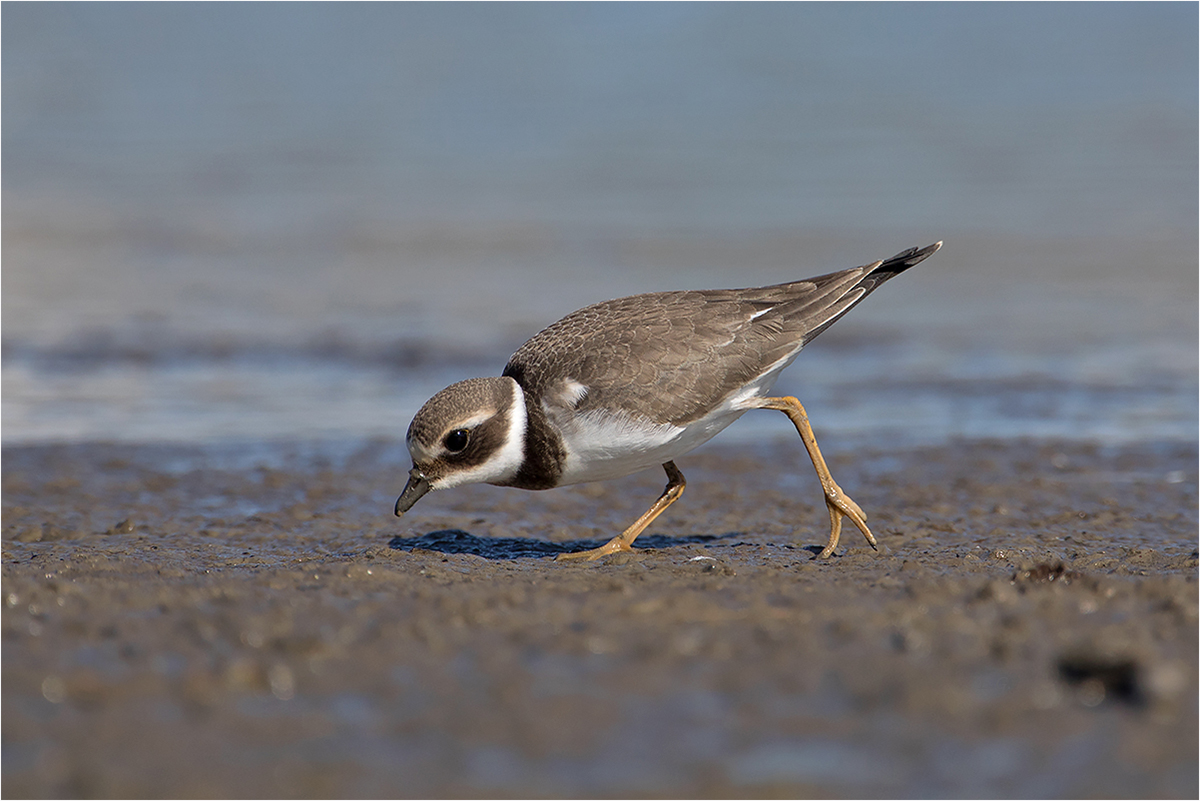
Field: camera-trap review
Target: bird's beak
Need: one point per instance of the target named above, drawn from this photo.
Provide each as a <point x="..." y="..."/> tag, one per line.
<point x="417" y="486"/>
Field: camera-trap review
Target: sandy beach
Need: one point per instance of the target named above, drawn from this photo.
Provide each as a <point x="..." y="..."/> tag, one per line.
<point x="177" y="624"/>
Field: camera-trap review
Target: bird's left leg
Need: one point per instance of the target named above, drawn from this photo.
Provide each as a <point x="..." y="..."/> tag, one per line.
<point x="838" y="502"/>
<point x="624" y="540"/>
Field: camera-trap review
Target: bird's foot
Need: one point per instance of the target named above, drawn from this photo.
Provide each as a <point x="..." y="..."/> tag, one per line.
<point x="615" y="545"/>
<point x="842" y="505"/>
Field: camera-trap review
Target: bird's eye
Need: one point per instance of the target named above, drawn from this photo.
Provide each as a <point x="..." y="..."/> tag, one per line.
<point x="456" y="440"/>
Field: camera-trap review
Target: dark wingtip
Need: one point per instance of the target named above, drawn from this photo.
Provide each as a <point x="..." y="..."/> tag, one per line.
<point x="905" y="259"/>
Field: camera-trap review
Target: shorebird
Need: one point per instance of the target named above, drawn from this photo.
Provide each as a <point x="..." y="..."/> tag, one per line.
<point x="627" y="384"/>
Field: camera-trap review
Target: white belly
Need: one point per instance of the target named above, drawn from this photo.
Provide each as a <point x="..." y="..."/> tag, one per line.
<point x="600" y="448"/>
<point x="603" y="446"/>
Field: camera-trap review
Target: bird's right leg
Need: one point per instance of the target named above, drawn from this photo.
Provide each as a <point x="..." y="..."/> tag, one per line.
<point x="836" y="500"/>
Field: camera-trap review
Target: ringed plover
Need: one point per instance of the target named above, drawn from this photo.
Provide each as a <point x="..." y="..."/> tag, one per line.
<point x="627" y="384"/>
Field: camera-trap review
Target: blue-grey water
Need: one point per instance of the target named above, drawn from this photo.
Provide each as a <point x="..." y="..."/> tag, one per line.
<point x="262" y="222"/>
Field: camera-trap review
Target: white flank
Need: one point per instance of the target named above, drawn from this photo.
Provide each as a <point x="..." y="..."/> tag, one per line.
<point x="602" y="445"/>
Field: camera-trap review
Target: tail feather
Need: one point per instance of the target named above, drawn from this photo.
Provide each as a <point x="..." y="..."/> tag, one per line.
<point x="875" y="277"/>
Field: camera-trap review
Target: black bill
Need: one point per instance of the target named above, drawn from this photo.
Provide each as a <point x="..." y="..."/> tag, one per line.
<point x="417" y="486"/>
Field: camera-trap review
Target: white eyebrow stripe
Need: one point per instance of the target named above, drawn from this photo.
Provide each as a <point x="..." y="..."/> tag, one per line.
<point x="474" y="420"/>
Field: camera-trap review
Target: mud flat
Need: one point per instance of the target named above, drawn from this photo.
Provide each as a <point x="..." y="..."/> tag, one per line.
<point x="184" y="621"/>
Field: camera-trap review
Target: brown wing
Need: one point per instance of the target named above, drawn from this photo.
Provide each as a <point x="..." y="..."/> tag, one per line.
<point x="671" y="356"/>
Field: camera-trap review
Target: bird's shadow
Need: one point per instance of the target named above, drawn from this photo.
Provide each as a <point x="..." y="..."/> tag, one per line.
<point x="453" y="540"/>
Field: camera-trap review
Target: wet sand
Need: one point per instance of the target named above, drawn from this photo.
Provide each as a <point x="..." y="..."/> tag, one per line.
<point x="179" y="622"/>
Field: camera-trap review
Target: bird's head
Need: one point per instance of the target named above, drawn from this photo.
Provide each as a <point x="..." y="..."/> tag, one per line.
<point x="472" y="432"/>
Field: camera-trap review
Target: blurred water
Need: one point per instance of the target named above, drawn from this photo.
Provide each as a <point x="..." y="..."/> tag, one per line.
<point x="298" y="221"/>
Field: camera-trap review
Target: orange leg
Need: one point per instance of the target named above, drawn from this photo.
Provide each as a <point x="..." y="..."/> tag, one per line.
<point x="624" y="540"/>
<point x="839" y="503"/>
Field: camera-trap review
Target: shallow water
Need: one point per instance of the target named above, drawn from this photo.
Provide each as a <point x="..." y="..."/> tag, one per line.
<point x="302" y="223"/>
<point x="921" y="362"/>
